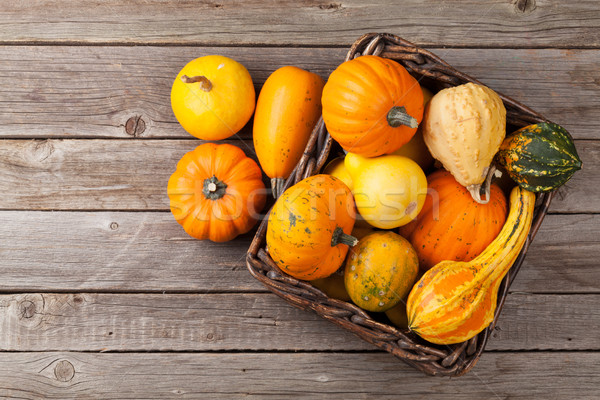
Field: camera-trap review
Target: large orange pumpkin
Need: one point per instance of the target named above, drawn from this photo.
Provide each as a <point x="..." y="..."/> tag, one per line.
<point x="372" y="105"/>
<point x="216" y="192"/>
<point x="451" y="225"/>
<point x="309" y="227"/>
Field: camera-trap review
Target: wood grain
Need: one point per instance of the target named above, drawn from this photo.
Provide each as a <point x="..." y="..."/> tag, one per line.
<point x="149" y="251"/>
<point x="102" y="174"/>
<point x="460" y="23"/>
<point x="91" y="92"/>
<point x="220" y="322"/>
<point x="59" y="375"/>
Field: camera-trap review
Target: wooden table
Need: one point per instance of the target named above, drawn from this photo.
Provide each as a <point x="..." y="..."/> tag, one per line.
<point x="105" y="296"/>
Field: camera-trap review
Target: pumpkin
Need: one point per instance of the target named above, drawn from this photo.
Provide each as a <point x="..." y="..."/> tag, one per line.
<point x="380" y="271"/>
<point x="337" y="168"/>
<point x="213" y="97"/>
<point x="372" y="105"/>
<point x="416" y="149"/>
<point x="451" y="225"/>
<point x="308" y="232"/>
<point x="540" y="157"/>
<point x="288" y="107"/>
<point x="464" y="127"/>
<point x="455" y="300"/>
<point x="389" y="190"/>
<point x="216" y="192"/>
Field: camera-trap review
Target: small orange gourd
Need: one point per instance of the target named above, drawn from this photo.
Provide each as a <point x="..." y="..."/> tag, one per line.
<point x="456" y="300"/>
<point x="451" y="225"/>
<point x="216" y="192"/>
<point x="309" y="227"/>
<point x="288" y="107"/>
<point x="372" y="105"/>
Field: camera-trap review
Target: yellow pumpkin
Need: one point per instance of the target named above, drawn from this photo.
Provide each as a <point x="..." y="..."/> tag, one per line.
<point x="213" y="97"/>
<point x="336" y="168"/>
<point x="389" y="190"/>
<point x="380" y="271"/>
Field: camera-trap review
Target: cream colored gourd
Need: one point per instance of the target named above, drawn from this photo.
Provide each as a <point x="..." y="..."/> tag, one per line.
<point x="464" y="128"/>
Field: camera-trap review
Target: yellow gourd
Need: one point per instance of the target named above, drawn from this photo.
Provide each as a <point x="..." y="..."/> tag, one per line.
<point x="455" y="300"/>
<point x="337" y="169"/>
<point x="389" y="190"/>
<point x="464" y="128"/>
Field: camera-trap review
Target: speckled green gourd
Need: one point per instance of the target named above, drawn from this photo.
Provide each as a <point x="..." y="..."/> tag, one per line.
<point x="380" y="271"/>
<point x="540" y="157"/>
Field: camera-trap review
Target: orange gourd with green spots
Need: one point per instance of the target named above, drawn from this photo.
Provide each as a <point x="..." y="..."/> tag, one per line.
<point x="456" y="300"/>
<point x="451" y="225"/>
<point x="380" y="271"/>
<point x="309" y="227"/>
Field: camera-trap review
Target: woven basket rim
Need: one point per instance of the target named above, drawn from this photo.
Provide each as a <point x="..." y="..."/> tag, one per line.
<point x="452" y="360"/>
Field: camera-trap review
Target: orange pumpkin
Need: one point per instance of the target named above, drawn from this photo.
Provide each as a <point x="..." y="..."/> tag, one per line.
<point x="372" y="105"/>
<point x="216" y="192"/>
<point x="451" y="225"/>
<point x="309" y="227"/>
<point x="288" y="107"/>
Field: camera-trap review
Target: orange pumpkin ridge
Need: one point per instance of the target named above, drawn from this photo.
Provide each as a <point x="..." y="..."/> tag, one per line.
<point x="451" y="225"/>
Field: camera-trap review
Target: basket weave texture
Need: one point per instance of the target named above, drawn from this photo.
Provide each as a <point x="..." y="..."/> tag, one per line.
<point x="452" y="360"/>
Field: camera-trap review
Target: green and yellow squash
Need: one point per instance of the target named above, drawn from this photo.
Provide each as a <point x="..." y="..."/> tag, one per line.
<point x="540" y="157"/>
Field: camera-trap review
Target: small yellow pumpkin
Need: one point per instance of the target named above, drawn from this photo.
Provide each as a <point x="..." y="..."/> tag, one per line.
<point x="389" y="190"/>
<point x="213" y="97"/>
<point x="380" y="271"/>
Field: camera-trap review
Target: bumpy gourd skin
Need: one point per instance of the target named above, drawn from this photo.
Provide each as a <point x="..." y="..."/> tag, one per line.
<point x="302" y="224"/>
<point x="463" y="129"/>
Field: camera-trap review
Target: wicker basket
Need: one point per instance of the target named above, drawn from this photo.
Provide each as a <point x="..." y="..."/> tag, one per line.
<point x="432" y="359"/>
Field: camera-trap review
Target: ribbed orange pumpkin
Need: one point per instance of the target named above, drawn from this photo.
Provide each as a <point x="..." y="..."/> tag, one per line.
<point x="309" y="227"/>
<point x="216" y="192"/>
<point x="372" y="105"/>
<point x="451" y="225"/>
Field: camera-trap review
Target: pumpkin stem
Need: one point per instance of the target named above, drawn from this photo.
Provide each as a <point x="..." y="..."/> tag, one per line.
<point x="484" y="188"/>
<point x="340" y="237"/>
<point x="277" y="186"/>
<point x="205" y="84"/>
<point x="398" y="116"/>
<point x="213" y="188"/>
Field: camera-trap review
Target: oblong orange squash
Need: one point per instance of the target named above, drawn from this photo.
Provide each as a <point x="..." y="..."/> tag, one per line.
<point x="451" y="225"/>
<point x="288" y="107"/>
<point x="456" y="300"/>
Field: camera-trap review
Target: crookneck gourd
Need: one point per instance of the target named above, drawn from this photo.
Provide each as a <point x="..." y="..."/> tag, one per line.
<point x="454" y="300"/>
<point x="463" y="129"/>
<point x="540" y="157"/>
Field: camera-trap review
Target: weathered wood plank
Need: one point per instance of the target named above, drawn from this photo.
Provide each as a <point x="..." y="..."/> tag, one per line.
<point x="58" y="375"/>
<point x="149" y="251"/>
<point x="81" y="91"/>
<point x="103" y="174"/>
<point x="257" y="321"/>
<point x="461" y="23"/>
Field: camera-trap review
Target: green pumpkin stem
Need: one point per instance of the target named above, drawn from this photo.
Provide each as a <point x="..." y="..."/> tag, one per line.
<point x="398" y="116"/>
<point x="205" y="84"/>
<point x="340" y="237"/>
<point x="213" y="188"/>
<point x="277" y="186"/>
